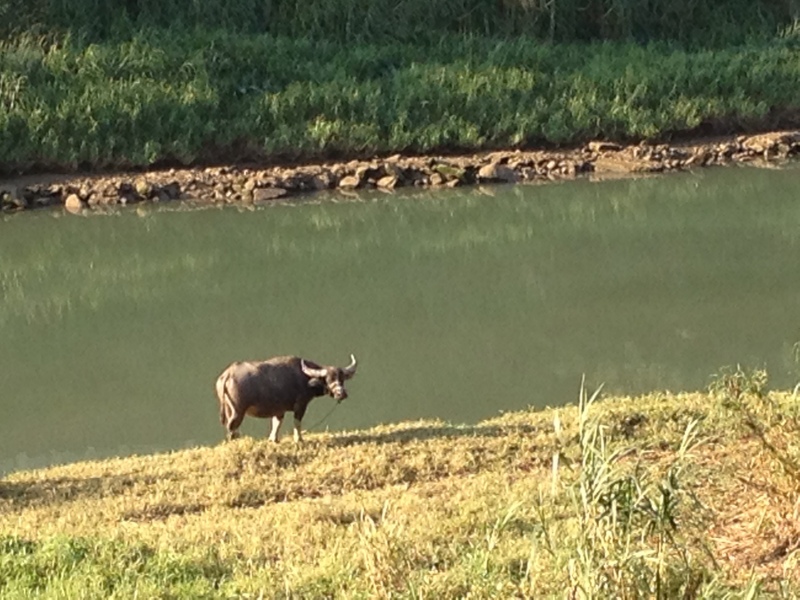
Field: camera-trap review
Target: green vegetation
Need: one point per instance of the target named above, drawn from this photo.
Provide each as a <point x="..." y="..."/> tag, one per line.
<point x="662" y="496"/>
<point x="729" y="21"/>
<point x="110" y="84"/>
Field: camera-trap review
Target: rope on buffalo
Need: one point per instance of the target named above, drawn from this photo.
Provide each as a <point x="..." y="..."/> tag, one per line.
<point x="323" y="419"/>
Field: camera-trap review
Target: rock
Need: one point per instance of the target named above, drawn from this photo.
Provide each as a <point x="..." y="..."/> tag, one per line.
<point x="109" y="200"/>
<point x="6" y="191"/>
<point x="142" y="187"/>
<point x="501" y="157"/>
<point x="436" y="178"/>
<point x="309" y="181"/>
<point x="172" y="190"/>
<point x="239" y="184"/>
<point x="109" y="190"/>
<point x="29" y="194"/>
<point x="607" y="164"/>
<point x="322" y="181"/>
<point x="223" y="187"/>
<point x="767" y="142"/>
<point x="349" y="182"/>
<point x="364" y="172"/>
<point x="16" y="200"/>
<point x="391" y="167"/>
<point x="700" y="157"/>
<point x="677" y="153"/>
<point x="268" y="193"/>
<point x="5" y="201"/>
<point x="726" y="150"/>
<point x="388" y="182"/>
<point x="73" y="203"/>
<point x="600" y="146"/>
<point x="292" y="182"/>
<point x="497" y="172"/>
<point x="449" y="172"/>
<point x="46" y="199"/>
<point x="13" y="198"/>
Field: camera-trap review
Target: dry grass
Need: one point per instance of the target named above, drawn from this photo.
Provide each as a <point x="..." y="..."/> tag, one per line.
<point x="413" y="510"/>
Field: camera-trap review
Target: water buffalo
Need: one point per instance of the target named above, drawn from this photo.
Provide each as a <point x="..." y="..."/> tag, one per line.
<point x="273" y="387"/>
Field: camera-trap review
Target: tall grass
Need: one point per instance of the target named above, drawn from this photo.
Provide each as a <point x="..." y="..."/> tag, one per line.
<point x="86" y="83"/>
<point x="628" y="538"/>
<point x="212" y="95"/>
<point x="729" y="21"/>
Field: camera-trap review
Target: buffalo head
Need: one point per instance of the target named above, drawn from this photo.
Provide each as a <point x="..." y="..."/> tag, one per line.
<point x="332" y="378"/>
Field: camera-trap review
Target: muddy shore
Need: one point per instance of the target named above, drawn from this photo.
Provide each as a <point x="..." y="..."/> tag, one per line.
<point x="263" y="184"/>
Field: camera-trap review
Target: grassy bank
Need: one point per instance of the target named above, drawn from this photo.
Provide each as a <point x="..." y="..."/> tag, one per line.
<point x="211" y="96"/>
<point x="690" y="495"/>
<point x="101" y="85"/>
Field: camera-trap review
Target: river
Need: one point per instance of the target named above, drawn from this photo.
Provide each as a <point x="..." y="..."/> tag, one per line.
<point x="458" y="304"/>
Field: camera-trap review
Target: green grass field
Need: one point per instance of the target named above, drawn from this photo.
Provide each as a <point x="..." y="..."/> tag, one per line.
<point x="108" y="85"/>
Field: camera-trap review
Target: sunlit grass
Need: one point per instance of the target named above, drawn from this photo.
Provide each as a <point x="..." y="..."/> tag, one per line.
<point x="174" y="95"/>
<point x="628" y="497"/>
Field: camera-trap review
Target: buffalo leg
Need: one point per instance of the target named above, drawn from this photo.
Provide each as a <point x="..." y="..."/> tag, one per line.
<point x="299" y="412"/>
<point x="276" y="425"/>
<point x="234" y="421"/>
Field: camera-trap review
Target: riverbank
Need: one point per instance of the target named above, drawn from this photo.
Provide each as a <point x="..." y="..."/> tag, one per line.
<point x="666" y="495"/>
<point x="253" y="184"/>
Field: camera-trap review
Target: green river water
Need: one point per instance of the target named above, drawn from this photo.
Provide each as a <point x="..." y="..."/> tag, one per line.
<point x="457" y="304"/>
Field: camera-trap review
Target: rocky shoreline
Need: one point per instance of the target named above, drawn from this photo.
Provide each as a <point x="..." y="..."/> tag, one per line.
<point x="251" y="185"/>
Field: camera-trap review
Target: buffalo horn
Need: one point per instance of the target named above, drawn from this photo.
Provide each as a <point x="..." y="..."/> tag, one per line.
<point x="312" y="372"/>
<point x="350" y="370"/>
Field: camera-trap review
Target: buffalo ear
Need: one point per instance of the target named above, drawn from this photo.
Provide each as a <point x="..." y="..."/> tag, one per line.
<point x="315" y="382"/>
